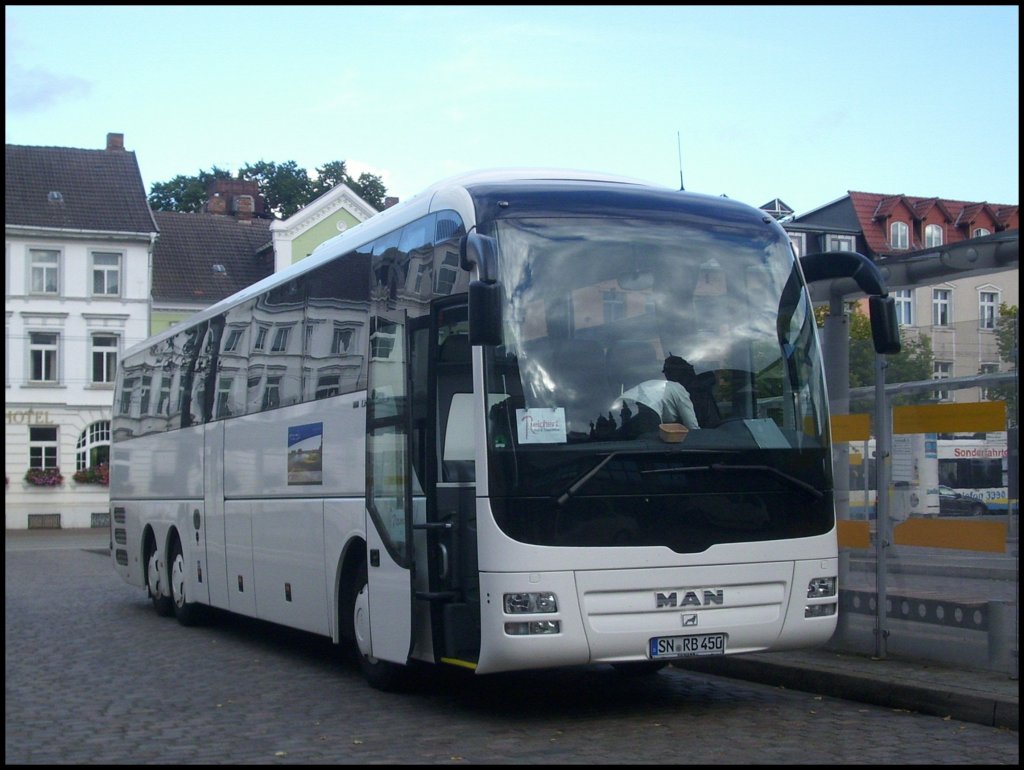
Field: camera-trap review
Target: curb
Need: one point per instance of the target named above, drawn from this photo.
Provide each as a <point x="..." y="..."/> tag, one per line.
<point x="990" y="710"/>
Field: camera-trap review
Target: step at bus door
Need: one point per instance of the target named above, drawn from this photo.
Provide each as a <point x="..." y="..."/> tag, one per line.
<point x="389" y="540"/>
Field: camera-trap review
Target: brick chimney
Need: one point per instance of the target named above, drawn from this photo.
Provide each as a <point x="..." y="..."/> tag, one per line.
<point x="390" y="201"/>
<point x="242" y="207"/>
<point x="239" y="198"/>
<point x="115" y="142"/>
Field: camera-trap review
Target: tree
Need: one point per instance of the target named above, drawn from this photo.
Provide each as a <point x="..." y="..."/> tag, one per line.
<point x="1007" y="341"/>
<point x="914" y="362"/>
<point x="184" y="193"/>
<point x="286" y="187"/>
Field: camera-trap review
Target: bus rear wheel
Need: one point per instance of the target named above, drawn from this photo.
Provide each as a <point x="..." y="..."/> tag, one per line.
<point x="381" y="674"/>
<point x="162" y="604"/>
<point x="185" y="611"/>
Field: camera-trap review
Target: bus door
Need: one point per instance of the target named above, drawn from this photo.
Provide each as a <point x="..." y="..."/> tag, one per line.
<point x="443" y="456"/>
<point x="389" y="543"/>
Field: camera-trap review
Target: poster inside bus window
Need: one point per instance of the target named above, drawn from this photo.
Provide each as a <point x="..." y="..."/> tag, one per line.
<point x="541" y="426"/>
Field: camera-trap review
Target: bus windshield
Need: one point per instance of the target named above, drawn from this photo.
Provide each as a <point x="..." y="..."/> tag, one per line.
<point x="579" y="391"/>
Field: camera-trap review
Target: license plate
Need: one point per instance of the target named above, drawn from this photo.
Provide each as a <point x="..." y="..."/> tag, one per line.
<point x="687" y="646"/>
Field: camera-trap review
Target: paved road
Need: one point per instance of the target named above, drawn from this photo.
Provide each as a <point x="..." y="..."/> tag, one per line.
<point x="93" y="676"/>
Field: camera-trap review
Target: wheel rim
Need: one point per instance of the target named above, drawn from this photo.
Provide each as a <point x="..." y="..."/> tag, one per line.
<point x="361" y="622"/>
<point x="153" y="576"/>
<point x="178" y="580"/>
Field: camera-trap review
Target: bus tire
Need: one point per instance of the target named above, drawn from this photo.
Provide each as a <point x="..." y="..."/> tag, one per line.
<point x="381" y="674"/>
<point x="162" y="604"/>
<point x="186" y="612"/>
<point x="640" y="667"/>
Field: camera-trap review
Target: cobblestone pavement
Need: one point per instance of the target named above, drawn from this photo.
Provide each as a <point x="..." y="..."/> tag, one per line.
<point x="94" y="676"/>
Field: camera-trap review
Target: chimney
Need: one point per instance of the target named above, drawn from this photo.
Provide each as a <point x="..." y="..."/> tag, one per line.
<point x="242" y="207"/>
<point x="115" y="142"/>
<point x="390" y="201"/>
<point x="216" y="204"/>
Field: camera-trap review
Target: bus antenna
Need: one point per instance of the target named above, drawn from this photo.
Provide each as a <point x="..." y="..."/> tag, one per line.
<point x="679" y="145"/>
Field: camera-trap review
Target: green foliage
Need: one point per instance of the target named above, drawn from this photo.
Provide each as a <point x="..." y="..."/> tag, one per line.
<point x="286" y="187"/>
<point x="914" y="361"/>
<point x="184" y="193"/>
<point x="1007" y="326"/>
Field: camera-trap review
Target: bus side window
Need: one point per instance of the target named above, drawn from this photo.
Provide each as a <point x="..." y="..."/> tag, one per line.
<point x="454" y="407"/>
<point x="457" y="462"/>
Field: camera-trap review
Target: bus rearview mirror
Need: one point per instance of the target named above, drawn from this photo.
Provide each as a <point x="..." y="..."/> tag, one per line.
<point x="885" y="328"/>
<point x="484" y="313"/>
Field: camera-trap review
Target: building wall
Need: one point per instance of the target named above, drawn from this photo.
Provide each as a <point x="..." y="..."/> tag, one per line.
<point x="74" y="402"/>
<point x="332" y="213"/>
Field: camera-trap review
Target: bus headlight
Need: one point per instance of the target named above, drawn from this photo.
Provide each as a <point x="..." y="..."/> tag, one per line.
<point x="820" y="587"/>
<point x="819" y="610"/>
<point x="531" y="627"/>
<point x="516" y="604"/>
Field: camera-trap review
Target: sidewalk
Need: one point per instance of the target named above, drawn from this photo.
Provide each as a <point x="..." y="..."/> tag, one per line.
<point x="969" y="695"/>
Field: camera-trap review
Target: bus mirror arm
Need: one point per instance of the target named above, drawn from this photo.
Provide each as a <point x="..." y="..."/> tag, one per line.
<point x="885" y="328"/>
<point x="481" y="252"/>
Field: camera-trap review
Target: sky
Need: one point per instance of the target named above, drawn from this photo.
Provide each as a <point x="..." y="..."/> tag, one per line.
<point x="753" y="102"/>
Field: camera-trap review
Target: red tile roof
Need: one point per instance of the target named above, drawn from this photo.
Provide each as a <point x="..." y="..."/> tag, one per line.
<point x="875" y="213"/>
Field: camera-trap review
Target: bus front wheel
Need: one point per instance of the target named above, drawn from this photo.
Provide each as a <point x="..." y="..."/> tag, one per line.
<point x="381" y="674"/>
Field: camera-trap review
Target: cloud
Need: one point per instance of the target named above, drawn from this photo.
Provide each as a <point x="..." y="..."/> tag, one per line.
<point x="36" y="89"/>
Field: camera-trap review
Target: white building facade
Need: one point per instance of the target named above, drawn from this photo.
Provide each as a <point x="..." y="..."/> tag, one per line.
<point x="78" y="244"/>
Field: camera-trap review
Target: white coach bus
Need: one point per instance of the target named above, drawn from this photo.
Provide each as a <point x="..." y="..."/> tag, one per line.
<point x="425" y="439"/>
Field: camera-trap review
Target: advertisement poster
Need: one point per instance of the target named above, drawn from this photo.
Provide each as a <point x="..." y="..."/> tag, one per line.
<point x="305" y="453"/>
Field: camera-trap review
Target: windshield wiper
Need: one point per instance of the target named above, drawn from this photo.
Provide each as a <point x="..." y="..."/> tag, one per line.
<point x="793" y="480"/>
<point x="575" y="486"/>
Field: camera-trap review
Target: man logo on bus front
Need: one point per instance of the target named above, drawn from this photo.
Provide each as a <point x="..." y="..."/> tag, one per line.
<point x="690" y="599"/>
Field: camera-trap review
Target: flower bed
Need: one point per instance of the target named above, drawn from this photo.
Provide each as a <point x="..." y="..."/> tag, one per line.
<point x="97" y="474"/>
<point x="44" y="477"/>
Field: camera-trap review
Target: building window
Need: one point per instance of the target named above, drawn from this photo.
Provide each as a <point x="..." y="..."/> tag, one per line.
<point x="904" y="306"/>
<point x="281" y="340"/>
<point x="987" y="369"/>
<point x="988" y="309"/>
<point x="899" y="235"/>
<point x="144" y="397"/>
<point x="799" y="245"/>
<point x="932" y="236"/>
<point x="614" y="303"/>
<point x="42" y="447"/>
<point x="104" y="359"/>
<point x="127" y="393"/>
<point x="163" y="401"/>
<point x="261" y="337"/>
<point x="342" y="340"/>
<point x="980" y="232"/>
<point x="328" y="385"/>
<point x="942" y="370"/>
<point x="231" y="344"/>
<point x="447" y="273"/>
<point x="93" y="446"/>
<point x="43" y="352"/>
<point x="840" y="243"/>
<point x="222" y="407"/>
<point x="106" y="274"/>
<point x="941" y="305"/>
<point x="310" y="332"/>
<point x="45" y="271"/>
<point x="272" y="393"/>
